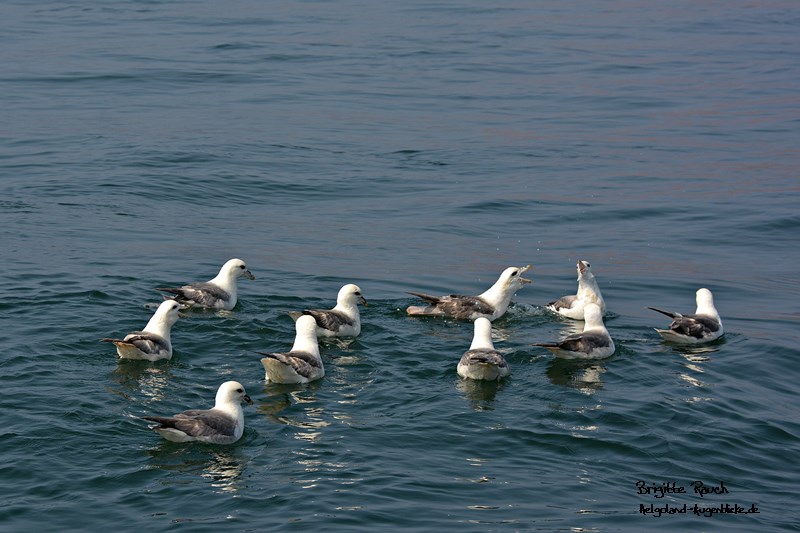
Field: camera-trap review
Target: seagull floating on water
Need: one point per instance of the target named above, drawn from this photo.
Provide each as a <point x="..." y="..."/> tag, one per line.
<point x="217" y="293"/>
<point x="588" y="292"/>
<point x="593" y="343"/>
<point x="153" y="342"/>
<point x="491" y="304"/>
<point x="302" y="363"/>
<point x="222" y="424"/>
<point x="703" y="326"/>
<point x="482" y="361"/>
<point x="343" y="320"/>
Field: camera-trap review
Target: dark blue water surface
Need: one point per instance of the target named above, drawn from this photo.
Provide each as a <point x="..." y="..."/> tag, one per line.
<point x="401" y="146"/>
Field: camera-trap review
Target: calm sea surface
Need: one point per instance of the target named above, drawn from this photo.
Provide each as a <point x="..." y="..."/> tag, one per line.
<point x="401" y="146"/>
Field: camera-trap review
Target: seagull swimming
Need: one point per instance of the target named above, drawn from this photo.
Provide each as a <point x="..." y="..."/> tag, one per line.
<point x="593" y="343"/>
<point x="223" y="424"/>
<point x="588" y="292"/>
<point x="217" y="293"/>
<point x="491" y="304"/>
<point x="703" y="326"/>
<point x="343" y="320"/>
<point x="482" y="361"/>
<point x="302" y="363"/>
<point x="153" y="342"/>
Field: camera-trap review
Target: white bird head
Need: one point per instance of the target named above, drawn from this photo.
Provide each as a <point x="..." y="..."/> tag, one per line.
<point x="584" y="268"/>
<point x="305" y="339"/>
<point x="306" y="326"/>
<point x="511" y="278"/>
<point x="232" y="392"/>
<point x="168" y="312"/>
<point x="235" y="268"/>
<point x="164" y="318"/>
<point x="350" y="296"/>
<point x="705" y="303"/>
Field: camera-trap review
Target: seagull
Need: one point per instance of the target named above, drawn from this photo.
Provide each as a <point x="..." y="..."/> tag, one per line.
<point x="593" y="343"/>
<point x="491" y="304"/>
<point x="588" y="292"/>
<point x="153" y="342"/>
<point x="218" y="293"/>
<point x="223" y="424"/>
<point x="703" y="326"/>
<point x="482" y="361"/>
<point x="302" y="363"/>
<point x="343" y="320"/>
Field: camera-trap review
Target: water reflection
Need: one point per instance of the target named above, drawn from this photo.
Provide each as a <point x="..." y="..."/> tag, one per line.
<point x="480" y="393"/>
<point x="295" y="405"/>
<point x="694" y="359"/>
<point x="584" y="376"/>
<point x="502" y="333"/>
<point x="142" y="377"/>
<point x="343" y="343"/>
<point x="298" y="407"/>
<point x="222" y="467"/>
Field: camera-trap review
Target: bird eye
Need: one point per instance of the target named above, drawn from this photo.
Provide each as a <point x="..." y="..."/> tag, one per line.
<point x="515" y="273"/>
<point x="239" y="390"/>
<point x="175" y="306"/>
<point x="241" y="266"/>
<point x="357" y="293"/>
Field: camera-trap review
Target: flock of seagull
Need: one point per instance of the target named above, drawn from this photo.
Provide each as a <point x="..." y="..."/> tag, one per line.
<point x="224" y="423"/>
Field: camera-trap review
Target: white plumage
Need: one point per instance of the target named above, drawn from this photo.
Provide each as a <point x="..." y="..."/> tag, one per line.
<point x="482" y="361"/>
<point x="572" y="306"/>
<point x="302" y="363"/>
<point x="222" y="424"/>
<point x="703" y="326"/>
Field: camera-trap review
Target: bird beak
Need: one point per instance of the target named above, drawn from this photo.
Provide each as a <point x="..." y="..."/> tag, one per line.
<point x="363" y="301"/>
<point x="247" y="399"/>
<point x="581" y="266"/>
<point x="522" y="271"/>
<point x="249" y="275"/>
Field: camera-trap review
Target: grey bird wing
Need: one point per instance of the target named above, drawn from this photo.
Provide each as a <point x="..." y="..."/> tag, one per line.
<point x="668" y="313"/>
<point x="198" y="423"/>
<point x="330" y="320"/>
<point x="579" y="342"/>
<point x="583" y="342"/>
<point x="694" y="325"/>
<point x="204" y="294"/>
<point x="427" y="297"/>
<point x="456" y="305"/>
<point x="565" y="302"/>
<point x="490" y="357"/>
<point x="148" y="343"/>
<point x="464" y="307"/>
<point x="303" y="363"/>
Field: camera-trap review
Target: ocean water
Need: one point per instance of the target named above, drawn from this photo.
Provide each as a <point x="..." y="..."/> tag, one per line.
<point x="407" y="146"/>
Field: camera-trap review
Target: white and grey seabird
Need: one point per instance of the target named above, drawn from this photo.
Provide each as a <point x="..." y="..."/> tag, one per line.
<point x="302" y="363"/>
<point x="593" y="343"/>
<point x="223" y="424"/>
<point x="344" y="320"/>
<point x="703" y="326"/>
<point x="152" y="343"/>
<point x="482" y="361"/>
<point x="218" y="293"/>
<point x="588" y="292"/>
<point x="491" y="304"/>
